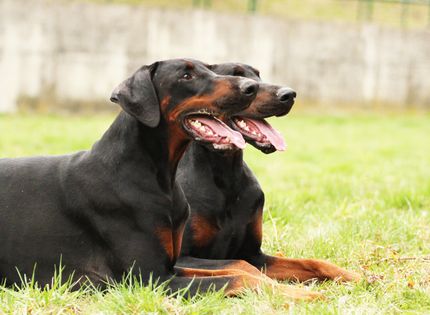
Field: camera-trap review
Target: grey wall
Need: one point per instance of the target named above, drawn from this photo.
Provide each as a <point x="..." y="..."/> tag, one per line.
<point x="77" y="53"/>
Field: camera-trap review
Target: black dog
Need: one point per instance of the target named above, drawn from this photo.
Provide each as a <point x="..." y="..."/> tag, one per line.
<point x="117" y="206"/>
<point x="227" y="201"/>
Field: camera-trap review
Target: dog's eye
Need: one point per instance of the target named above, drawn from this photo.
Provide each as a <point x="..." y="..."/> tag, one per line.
<point x="187" y="76"/>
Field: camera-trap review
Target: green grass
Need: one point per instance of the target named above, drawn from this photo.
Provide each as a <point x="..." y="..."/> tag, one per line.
<point x="351" y="188"/>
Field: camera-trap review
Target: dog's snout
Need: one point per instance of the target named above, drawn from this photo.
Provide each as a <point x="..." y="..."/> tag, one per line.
<point x="249" y="87"/>
<point x="286" y="95"/>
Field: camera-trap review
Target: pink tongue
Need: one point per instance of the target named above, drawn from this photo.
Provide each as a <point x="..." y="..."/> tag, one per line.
<point x="271" y="134"/>
<point x="224" y="131"/>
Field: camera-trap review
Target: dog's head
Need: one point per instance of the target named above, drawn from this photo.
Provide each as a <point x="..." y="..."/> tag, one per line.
<point x="190" y="98"/>
<point x="271" y="100"/>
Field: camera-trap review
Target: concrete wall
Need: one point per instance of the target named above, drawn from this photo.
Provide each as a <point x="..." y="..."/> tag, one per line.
<point x="77" y="53"/>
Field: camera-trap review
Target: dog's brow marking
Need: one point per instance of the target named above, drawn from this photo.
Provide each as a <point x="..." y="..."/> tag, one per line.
<point x="238" y="71"/>
<point x="189" y="65"/>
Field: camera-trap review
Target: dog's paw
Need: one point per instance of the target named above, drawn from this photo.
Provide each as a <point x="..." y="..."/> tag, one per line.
<point x="347" y="276"/>
<point x="295" y="293"/>
<point x="329" y="271"/>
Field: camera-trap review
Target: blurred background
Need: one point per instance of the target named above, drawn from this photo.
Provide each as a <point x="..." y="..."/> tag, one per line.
<point x="69" y="55"/>
<point x="353" y="186"/>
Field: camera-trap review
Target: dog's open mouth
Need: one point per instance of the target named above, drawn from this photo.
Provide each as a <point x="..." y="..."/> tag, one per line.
<point x="260" y="132"/>
<point x="207" y="128"/>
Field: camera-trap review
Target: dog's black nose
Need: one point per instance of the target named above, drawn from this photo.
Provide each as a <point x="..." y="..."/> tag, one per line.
<point x="249" y="87"/>
<point x="286" y="95"/>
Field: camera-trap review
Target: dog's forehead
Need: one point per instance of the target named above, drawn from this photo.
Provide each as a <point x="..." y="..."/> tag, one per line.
<point x="251" y="72"/>
<point x="175" y="65"/>
<point x="237" y="69"/>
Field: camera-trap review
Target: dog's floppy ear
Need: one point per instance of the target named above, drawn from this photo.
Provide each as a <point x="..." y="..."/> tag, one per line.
<point x="137" y="96"/>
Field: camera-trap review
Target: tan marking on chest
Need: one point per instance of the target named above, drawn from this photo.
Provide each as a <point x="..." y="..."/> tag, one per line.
<point x="203" y="231"/>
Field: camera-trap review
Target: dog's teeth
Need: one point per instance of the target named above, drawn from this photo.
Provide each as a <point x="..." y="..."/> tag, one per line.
<point x="241" y="123"/>
<point x="221" y="146"/>
<point x="195" y="123"/>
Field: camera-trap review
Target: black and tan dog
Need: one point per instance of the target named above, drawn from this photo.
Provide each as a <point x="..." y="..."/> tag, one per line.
<point x="226" y="199"/>
<point x="117" y="207"/>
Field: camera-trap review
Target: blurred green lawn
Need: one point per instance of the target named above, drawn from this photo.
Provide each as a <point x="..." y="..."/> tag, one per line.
<point x="351" y="188"/>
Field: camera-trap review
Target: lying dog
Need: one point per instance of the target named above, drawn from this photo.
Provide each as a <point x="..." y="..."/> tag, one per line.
<point x="227" y="201"/>
<point x="117" y="207"/>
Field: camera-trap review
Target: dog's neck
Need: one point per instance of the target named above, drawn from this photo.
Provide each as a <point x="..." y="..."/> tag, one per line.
<point x="229" y="162"/>
<point x="226" y="166"/>
<point x="129" y="141"/>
